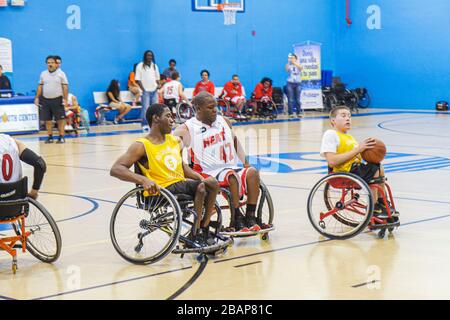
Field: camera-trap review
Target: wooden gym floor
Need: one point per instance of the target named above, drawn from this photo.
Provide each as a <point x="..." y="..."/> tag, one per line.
<point x="295" y="263"/>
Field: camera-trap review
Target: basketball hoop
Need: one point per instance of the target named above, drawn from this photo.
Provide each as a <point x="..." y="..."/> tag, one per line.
<point x="229" y="12"/>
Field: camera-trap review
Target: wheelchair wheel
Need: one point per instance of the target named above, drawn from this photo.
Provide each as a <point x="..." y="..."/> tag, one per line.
<point x="45" y="242"/>
<point x="340" y="206"/>
<point x="145" y="229"/>
<point x="185" y="112"/>
<point x="189" y="217"/>
<point x="364" y="100"/>
<point x="265" y="205"/>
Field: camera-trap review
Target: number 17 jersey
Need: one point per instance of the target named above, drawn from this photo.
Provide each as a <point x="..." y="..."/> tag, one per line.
<point x="212" y="147"/>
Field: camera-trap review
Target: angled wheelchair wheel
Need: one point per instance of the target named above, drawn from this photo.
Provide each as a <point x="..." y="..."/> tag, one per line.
<point x="144" y="229"/>
<point x="44" y="241"/>
<point x="185" y="112"/>
<point x="265" y="211"/>
<point x="340" y="205"/>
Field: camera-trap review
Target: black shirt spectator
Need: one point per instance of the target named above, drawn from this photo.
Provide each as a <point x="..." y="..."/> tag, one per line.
<point x="4" y="81"/>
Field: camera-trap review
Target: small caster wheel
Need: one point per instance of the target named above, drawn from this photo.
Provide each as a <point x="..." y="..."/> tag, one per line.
<point x="14" y="267"/>
<point x="265" y="237"/>
<point x="138" y="248"/>
<point x="322" y="224"/>
<point x="381" y="234"/>
<point x="391" y="229"/>
<point x="182" y="256"/>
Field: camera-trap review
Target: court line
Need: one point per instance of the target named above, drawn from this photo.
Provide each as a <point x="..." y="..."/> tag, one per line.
<point x="65" y="166"/>
<point x="247" y="264"/>
<point x="95" y="205"/>
<point x="82" y="153"/>
<point x="6" y="298"/>
<point x="191" y="281"/>
<point x="381" y="125"/>
<point x="111" y="283"/>
<point x="365" y="283"/>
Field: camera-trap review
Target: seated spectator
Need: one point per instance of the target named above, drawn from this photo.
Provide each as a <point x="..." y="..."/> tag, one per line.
<point x="115" y="102"/>
<point x="168" y="72"/>
<point x="205" y="85"/>
<point x="233" y="92"/>
<point x="73" y="111"/>
<point x="5" y="84"/>
<point x="133" y="87"/>
<point x="172" y="92"/>
<point x="263" y="90"/>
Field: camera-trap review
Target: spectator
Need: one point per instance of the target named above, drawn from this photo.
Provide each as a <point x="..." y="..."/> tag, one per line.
<point x="147" y="77"/>
<point x="233" y="92"/>
<point x="52" y="94"/>
<point x="133" y="86"/>
<point x="263" y="90"/>
<point x="205" y="84"/>
<point x="115" y="102"/>
<point x="168" y="72"/>
<point x="162" y="80"/>
<point x="294" y="85"/>
<point x="5" y="84"/>
<point x="58" y="60"/>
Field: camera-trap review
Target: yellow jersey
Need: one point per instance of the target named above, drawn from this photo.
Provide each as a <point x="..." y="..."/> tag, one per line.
<point x="346" y="143"/>
<point x="165" y="165"/>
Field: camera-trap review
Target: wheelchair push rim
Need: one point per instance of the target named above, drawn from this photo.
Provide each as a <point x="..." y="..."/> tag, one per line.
<point x="143" y="229"/>
<point x="44" y="240"/>
<point x="340" y="206"/>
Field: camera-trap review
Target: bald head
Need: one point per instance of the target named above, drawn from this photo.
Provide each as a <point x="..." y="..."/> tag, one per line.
<point x="206" y="106"/>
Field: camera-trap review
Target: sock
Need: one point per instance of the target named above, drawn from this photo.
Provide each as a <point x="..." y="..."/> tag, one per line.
<point x="250" y="210"/>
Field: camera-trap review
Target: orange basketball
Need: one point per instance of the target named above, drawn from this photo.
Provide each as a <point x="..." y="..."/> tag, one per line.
<point x="376" y="154"/>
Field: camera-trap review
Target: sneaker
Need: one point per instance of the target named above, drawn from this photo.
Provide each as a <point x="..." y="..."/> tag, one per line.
<point x="208" y="237"/>
<point x="291" y="116"/>
<point x="300" y="115"/>
<point x="49" y="139"/>
<point x="252" y="224"/>
<point x="239" y="223"/>
<point x="115" y="121"/>
<point x="394" y="212"/>
<point x="379" y="211"/>
<point x="61" y="140"/>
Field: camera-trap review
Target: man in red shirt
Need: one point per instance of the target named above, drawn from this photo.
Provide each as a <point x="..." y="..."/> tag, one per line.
<point x="205" y="85"/>
<point x="232" y="91"/>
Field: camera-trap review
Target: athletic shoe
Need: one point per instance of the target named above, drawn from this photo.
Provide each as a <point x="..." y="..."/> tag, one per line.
<point x="61" y="140"/>
<point x="208" y="237"/>
<point x="239" y="223"/>
<point x="252" y="224"/>
<point x="394" y="213"/>
<point x="291" y="116"/>
<point x="115" y="121"/>
<point x="263" y="225"/>
<point x="49" y="140"/>
<point x="380" y="211"/>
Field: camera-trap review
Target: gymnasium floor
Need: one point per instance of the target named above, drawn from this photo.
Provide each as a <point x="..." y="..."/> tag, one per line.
<point x="295" y="263"/>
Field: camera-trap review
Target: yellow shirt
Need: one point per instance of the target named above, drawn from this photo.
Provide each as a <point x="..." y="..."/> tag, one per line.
<point x="346" y="143"/>
<point x="164" y="161"/>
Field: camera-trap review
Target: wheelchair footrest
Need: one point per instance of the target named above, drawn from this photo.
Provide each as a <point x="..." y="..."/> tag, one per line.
<point x="243" y="234"/>
<point x="379" y="226"/>
<point x="203" y="249"/>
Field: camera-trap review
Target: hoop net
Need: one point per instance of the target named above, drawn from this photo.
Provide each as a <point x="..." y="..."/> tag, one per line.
<point x="229" y="13"/>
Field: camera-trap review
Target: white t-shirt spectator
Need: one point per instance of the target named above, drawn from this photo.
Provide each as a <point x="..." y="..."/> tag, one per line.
<point x="148" y="76"/>
<point x="52" y="83"/>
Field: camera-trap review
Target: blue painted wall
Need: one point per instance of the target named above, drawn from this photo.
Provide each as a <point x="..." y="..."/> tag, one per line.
<point x="405" y="64"/>
<point x="114" y="34"/>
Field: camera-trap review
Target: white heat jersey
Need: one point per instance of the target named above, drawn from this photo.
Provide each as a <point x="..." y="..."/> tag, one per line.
<point x="171" y="90"/>
<point x="10" y="165"/>
<point x="212" y="147"/>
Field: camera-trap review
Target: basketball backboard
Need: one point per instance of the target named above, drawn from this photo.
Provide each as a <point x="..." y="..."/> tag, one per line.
<point x="211" y="5"/>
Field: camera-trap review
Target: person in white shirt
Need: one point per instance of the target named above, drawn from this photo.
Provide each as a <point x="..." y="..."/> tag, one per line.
<point x="147" y="77"/>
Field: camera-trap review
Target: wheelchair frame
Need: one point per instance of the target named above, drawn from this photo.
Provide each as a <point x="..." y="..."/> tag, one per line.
<point x="181" y="213"/>
<point x="342" y="182"/>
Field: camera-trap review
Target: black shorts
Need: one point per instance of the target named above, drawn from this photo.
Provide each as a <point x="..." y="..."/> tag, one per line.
<point x="366" y="171"/>
<point x="52" y="108"/>
<point x="188" y="187"/>
<point x="170" y="102"/>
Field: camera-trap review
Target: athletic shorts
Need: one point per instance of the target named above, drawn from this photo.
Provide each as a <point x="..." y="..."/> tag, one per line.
<point x="187" y="186"/>
<point x="366" y="171"/>
<point x="237" y="99"/>
<point x="52" y="108"/>
<point x="240" y="174"/>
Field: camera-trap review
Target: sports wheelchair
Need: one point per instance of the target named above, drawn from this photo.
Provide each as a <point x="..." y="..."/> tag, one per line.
<point x="230" y="110"/>
<point x="341" y="205"/>
<point x="262" y="108"/>
<point x="338" y="95"/>
<point x="181" y="111"/>
<point x="29" y="226"/>
<point x="264" y="212"/>
<point x="146" y="228"/>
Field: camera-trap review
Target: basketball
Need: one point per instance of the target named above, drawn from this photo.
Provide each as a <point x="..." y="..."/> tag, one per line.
<point x="376" y="154"/>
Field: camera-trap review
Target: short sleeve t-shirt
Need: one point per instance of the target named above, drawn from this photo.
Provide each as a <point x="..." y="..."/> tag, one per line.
<point x="148" y="76"/>
<point x="337" y="142"/>
<point x="52" y="83"/>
